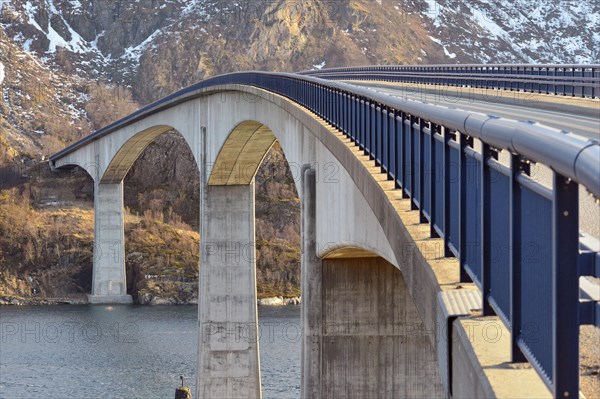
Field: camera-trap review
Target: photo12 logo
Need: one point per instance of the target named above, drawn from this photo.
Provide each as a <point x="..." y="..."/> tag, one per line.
<point x="68" y="332"/>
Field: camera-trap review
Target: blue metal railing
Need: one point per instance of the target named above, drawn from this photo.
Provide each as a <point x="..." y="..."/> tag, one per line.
<point x="565" y="79"/>
<point x="517" y="240"/>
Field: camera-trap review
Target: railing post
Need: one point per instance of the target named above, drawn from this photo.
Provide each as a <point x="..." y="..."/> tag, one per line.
<point x="432" y="180"/>
<point x="347" y="105"/>
<point x="337" y="109"/>
<point x="462" y="205"/>
<point x="393" y="170"/>
<point x="516" y="167"/>
<point x="354" y="116"/>
<point x="343" y="114"/>
<point x="411" y="161"/>
<point x="486" y="217"/>
<point x="400" y="150"/>
<point x="373" y="132"/>
<point x="565" y="288"/>
<point x="421" y="135"/>
<point x="446" y="190"/>
<point x="367" y="133"/>
<point x="594" y="94"/>
<point x="377" y="136"/>
<point x="385" y="141"/>
<point x="327" y="106"/>
<point x="362" y="124"/>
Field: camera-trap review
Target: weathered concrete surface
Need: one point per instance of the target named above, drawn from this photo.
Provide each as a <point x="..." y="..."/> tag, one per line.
<point x="109" y="284"/>
<point x="228" y="359"/>
<point x="481" y="363"/>
<point x="312" y="294"/>
<point x="374" y="344"/>
<point x="451" y="305"/>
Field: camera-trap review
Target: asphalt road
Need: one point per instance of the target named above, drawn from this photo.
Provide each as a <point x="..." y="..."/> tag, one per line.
<point x="521" y="106"/>
<point x="577" y="120"/>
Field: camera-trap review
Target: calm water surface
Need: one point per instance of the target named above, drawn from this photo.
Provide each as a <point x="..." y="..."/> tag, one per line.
<point x="127" y="351"/>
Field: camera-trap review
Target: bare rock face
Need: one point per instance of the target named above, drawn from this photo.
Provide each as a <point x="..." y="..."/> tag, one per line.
<point x="172" y="186"/>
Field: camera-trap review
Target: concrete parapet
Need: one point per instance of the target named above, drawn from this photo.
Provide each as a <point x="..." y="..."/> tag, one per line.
<point x="482" y="366"/>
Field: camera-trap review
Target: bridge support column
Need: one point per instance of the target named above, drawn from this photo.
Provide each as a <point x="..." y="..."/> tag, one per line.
<point x="228" y="358"/>
<point x="311" y="282"/>
<point x="109" y="283"/>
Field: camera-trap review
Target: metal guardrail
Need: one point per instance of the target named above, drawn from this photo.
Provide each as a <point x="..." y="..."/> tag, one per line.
<point x="566" y="80"/>
<point x="517" y="240"/>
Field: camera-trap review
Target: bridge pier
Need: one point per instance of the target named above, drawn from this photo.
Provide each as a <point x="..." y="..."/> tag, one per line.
<point x="311" y="281"/>
<point x="228" y="358"/>
<point x="363" y="337"/>
<point x="109" y="282"/>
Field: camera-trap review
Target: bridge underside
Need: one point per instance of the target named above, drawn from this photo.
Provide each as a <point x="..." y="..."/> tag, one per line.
<point x="373" y="342"/>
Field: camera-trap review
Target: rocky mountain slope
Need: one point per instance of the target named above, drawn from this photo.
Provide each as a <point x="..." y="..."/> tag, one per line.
<point x="157" y="47"/>
<point x="68" y="67"/>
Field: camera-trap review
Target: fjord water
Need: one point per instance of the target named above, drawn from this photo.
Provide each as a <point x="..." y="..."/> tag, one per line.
<point x="128" y="351"/>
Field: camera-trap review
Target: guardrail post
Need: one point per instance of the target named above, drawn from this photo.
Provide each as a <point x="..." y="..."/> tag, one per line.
<point x="516" y="167"/>
<point x="372" y="132"/>
<point x="393" y="166"/>
<point x="337" y="109"/>
<point x="348" y="105"/>
<point x="421" y="135"/>
<point x="362" y="126"/>
<point x="462" y="207"/>
<point x="343" y="113"/>
<point x="446" y="190"/>
<point x="486" y="217"/>
<point x="594" y="93"/>
<point x="565" y="288"/>
<point x="377" y="136"/>
<point x="432" y="180"/>
<point x="385" y="141"/>
<point x="354" y="116"/>
<point x="367" y="128"/>
<point x="326" y="105"/>
<point x="401" y="159"/>
<point x="411" y="161"/>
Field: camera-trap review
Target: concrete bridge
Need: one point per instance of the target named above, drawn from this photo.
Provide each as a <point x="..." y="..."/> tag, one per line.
<point x="390" y="306"/>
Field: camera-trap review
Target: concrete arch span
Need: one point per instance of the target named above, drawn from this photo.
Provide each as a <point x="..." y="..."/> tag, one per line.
<point x="352" y="209"/>
<point x="224" y="118"/>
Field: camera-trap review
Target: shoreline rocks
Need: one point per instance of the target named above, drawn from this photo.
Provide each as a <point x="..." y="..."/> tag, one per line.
<point x="279" y="301"/>
<point x="12" y="301"/>
<point x="146" y="300"/>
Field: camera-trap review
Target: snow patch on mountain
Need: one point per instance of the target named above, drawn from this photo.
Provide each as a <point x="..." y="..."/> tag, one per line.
<point x="544" y="31"/>
<point x="76" y="45"/>
<point x="134" y="53"/>
<point x="1" y="72"/>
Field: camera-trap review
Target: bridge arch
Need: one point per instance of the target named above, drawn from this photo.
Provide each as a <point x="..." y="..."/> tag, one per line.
<point x="91" y="168"/>
<point x="129" y="152"/>
<point x="242" y="154"/>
